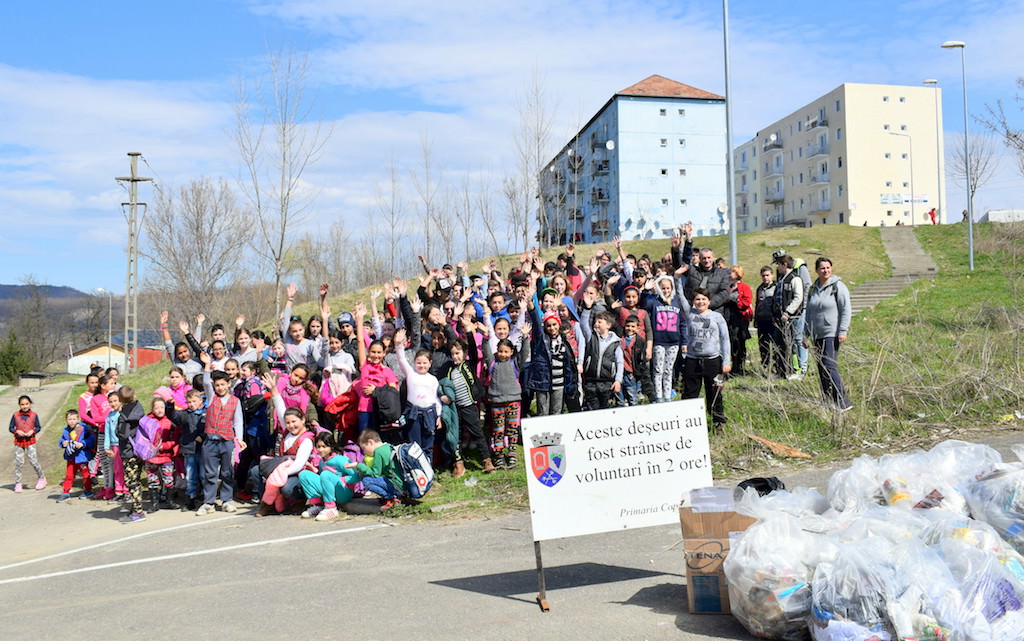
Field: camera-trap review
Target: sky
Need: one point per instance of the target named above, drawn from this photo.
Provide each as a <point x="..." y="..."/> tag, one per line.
<point x="82" y="84"/>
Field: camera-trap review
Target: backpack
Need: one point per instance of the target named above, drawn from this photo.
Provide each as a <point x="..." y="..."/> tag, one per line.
<point x="388" y="402"/>
<point x="417" y="473"/>
<point x="146" y="441"/>
<point x="354" y="454"/>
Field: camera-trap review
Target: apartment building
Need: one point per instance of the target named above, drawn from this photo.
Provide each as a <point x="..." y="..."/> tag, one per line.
<point x="652" y="158"/>
<point x="862" y="154"/>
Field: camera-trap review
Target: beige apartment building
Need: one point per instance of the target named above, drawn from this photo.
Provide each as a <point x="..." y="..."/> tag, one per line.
<point x="859" y="155"/>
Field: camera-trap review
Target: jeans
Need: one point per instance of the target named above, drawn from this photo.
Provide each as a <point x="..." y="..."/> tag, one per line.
<point x="420" y="425"/>
<point x="381" y="486"/>
<point x="217" y="455"/>
<point x="193" y="467"/>
<point x="798" y="339"/>
<point x="549" y="403"/>
<point x="832" y="391"/>
<point x="629" y="391"/>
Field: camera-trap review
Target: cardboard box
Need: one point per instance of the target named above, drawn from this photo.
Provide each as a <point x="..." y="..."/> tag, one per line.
<point x="707" y="539"/>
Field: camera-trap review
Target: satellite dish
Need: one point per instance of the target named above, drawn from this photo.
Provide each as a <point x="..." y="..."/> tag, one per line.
<point x="570" y="152"/>
<point x="772" y="137"/>
<point x="610" y="145"/>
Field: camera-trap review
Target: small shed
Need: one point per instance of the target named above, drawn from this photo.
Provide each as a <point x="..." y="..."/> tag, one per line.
<point x="111" y="353"/>
<point x="32" y="380"/>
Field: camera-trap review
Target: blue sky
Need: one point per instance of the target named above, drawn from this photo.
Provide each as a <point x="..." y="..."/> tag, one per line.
<point x="82" y="83"/>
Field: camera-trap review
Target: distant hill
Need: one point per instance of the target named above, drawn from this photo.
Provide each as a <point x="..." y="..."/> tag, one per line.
<point x="50" y="291"/>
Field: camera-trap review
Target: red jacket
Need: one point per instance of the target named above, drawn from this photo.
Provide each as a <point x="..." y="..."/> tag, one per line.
<point x="170" y="441"/>
<point x="745" y="300"/>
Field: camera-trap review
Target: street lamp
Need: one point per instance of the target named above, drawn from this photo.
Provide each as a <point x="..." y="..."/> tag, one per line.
<point x="959" y="44"/>
<point x="910" y="155"/>
<point x="110" y="322"/>
<point x="938" y="147"/>
<point x="729" y="186"/>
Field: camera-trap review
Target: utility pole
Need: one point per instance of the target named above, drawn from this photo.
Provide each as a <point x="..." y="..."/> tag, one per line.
<point x="131" y="289"/>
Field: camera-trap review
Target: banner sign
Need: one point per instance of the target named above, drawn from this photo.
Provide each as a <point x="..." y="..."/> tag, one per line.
<point x="614" y="469"/>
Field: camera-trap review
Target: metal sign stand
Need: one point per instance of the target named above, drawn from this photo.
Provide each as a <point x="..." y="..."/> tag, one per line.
<point x="542" y="595"/>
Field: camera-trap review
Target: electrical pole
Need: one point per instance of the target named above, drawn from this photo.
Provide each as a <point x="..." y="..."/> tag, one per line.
<point x="131" y="291"/>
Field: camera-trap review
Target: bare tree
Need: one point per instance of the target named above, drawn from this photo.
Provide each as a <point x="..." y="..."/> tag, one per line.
<point x="517" y="210"/>
<point x="390" y="209"/>
<point x="277" y="141"/>
<point x="192" y="243"/>
<point x="485" y="208"/>
<point x="40" y="335"/>
<point x="981" y="150"/>
<point x="465" y="214"/>
<point x="532" y="141"/>
<point x="444" y="222"/>
<point x="323" y="258"/>
<point x="427" y="185"/>
<point x="1000" y="124"/>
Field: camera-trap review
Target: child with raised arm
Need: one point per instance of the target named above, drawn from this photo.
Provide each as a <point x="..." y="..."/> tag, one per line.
<point x="79" y="445"/>
<point x="180" y="353"/>
<point x="298" y="348"/>
<point x="293" y="451"/>
<point x="222" y="435"/>
<point x="372" y="371"/>
<point x="423" y="413"/>
<point x="24" y="426"/>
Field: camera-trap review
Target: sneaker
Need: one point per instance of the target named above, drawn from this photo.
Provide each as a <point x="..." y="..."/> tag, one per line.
<point x="87" y="495"/>
<point x="328" y="514"/>
<point x="134" y="517"/>
<point x="204" y="509"/>
<point x="796" y="376"/>
<point x="63" y="497"/>
<point x="390" y="503"/>
<point x="41" y="483"/>
<point x="499" y="463"/>
<point x="243" y="496"/>
<point x="228" y="507"/>
<point x="312" y="511"/>
<point x="371" y="495"/>
<point x="843" y="410"/>
<point x="17" y="488"/>
<point x="512" y="463"/>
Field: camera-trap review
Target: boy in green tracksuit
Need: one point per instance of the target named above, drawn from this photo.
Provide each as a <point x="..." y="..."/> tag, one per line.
<point x="381" y="476"/>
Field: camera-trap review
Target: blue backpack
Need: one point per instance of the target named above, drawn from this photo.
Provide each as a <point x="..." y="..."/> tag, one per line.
<point x="417" y="472"/>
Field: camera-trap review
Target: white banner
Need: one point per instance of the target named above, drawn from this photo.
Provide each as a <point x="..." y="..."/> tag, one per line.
<point x="614" y="469"/>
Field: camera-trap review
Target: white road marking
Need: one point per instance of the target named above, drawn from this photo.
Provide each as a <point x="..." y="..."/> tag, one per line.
<point x="115" y="541"/>
<point x="182" y="555"/>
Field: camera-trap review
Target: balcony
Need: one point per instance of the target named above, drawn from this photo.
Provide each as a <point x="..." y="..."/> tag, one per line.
<point x="771" y="144"/>
<point x="823" y="206"/>
<point x="557" y="177"/>
<point x="741" y="165"/>
<point x="598" y="196"/>
<point x="775" y="171"/>
<point x="599" y="228"/>
<point x="743" y="189"/>
<point x="821" y="177"/>
<point x="742" y="211"/>
<point x="817" y="150"/>
<point x="576" y="187"/>
<point x="600" y="168"/>
<point x="774" y="195"/>
<point x="575" y="214"/>
<point x="814" y="124"/>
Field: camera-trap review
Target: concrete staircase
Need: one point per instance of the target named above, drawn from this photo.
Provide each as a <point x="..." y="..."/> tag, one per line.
<point x="909" y="262"/>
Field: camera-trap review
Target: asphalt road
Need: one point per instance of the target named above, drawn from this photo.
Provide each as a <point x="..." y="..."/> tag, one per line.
<point x="71" y="571"/>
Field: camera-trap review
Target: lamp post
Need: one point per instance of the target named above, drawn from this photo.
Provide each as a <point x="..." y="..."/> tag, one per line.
<point x="110" y="321"/>
<point x="938" y="146"/>
<point x="959" y="44"/>
<point x="910" y="155"/>
<point x="729" y="187"/>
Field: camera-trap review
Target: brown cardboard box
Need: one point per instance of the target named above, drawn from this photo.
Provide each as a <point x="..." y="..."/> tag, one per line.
<point x="706" y="538"/>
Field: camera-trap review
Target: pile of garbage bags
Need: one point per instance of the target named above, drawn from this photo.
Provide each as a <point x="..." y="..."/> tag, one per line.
<point x="922" y="546"/>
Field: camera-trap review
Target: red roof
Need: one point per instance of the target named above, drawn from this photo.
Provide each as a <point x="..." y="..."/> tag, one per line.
<point x="662" y="87"/>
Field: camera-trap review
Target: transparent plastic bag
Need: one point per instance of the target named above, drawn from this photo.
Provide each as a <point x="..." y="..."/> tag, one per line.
<point x="855" y="487"/>
<point x="800" y="502"/>
<point x="998" y="499"/>
<point x="768" y="570"/>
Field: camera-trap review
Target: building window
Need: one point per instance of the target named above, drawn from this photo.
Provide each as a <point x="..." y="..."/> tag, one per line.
<point x="903" y="156"/>
<point x="839" y="133"/>
<point x="906" y="214"/>
<point x="906" y="185"/>
<point x="800" y="152"/>
<point x="839" y="162"/>
<point x="799" y="126"/>
<point x="888" y="155"/>
<point x="885" y="98"/>
<point x="903" y="127"/>
<point x="664" y="172"/>
<point x="682" y="142"/>
<point x="663" y="112"/>
<point x="664" y="202"/>
<point x="664" y="142"/>
<point x="903" y="99"/>
<point x="801" y="180"/>
<point x="839" y="193"/>
<point x="682" y="172"/>
<point x="755" y="197"/>
<point x="755" y="174"/>
<point x="682" y="112"/>
<point x="888" y="184"/>
<point x="885" y="127"/>
<point x="801" y="204"/>
<point x="888" y="212"/>
<point x="840" y="216"/>
<point x="682" y="201"/>
<point x="837" y="106"/>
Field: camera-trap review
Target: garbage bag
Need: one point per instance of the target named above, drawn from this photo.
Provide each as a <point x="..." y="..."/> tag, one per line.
<point x="998" y="499"/>
<point x="769" y="570"/>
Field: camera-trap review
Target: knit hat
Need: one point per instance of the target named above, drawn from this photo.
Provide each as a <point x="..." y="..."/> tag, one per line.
<point x="552" y="315"/>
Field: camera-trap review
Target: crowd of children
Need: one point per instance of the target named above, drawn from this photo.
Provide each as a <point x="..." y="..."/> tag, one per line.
<point x="308" y="416"/>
